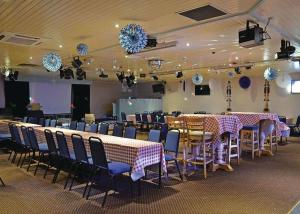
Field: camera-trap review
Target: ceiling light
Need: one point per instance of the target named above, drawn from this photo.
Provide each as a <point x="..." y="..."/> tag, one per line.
<point x="237" y="70"/>
<point x="179" y="74"/>
<point x="121" y="76"/>
<point x="236" y="58"/>
<point x="141" y="69"/>
<point x="60" y="46"/>
<point x="126" y="56"/>
<point x="30" y="57"/>
<point x="67" y="74"/>
<point x="117" y="25"/>
<point x="221" y="35"/>
<point x="187" y="44"/>
<point x="76" y="62"/>
<point x="81" y="74"/>
<point x="154" y="77"/>
<point x="214" y="40"/>
<point x="128" y="70"/>
<point x="212" y="48"/>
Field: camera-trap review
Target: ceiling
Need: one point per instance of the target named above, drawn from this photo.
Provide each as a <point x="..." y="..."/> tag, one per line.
<point x="67" y="23"/>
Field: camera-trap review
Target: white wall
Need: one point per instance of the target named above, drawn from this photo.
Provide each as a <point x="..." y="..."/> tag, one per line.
<point x="251" y="99"/>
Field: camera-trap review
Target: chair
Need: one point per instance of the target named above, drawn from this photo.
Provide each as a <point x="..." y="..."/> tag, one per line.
<point x="27" y="143"/>
<point x="154" y="135"/>
<point x="295" y="128"/>
<point x="130" y="132"/>
<point x="53" y="123"/>
<point x="20" y="147"/>
<point x="100" y="163"/>
<point x="80" y="167"/>
<point x="233" y="150"/>
<point x="249" y="137"/>
<point x="80" y="126"/>
<point x="124" y="119"/>
<point x="94" y="128"/>
<point x="33" y="120"/>
<point x="73" y="125"/>
<point x="118" y="131"/>
<point x="200" y="142"/>
<point x="25" y="119"/>
<point x="103" y="128"/>
<point x="42" y="121"/>
<point x="171" y="147"/>
<point x="47" y="123"/>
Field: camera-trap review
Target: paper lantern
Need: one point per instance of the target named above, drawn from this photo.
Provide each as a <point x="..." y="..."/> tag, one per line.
<point x="197" y="79"/>
<point x="245" y="82"/>
<point x="82" y="49"/>
<point x="133" y="38"/>
<point x="283" y="80"/>
<point x="271" y="74"/>
<point x="52" y="62"/>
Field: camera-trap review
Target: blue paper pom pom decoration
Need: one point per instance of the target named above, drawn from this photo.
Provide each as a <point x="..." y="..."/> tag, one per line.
<point x="271" y="74"/>
<point x="133" y="38"/>
<point x="82" y="49"/>
<point x="52" y="61"/>
<point x="245" y="82"/>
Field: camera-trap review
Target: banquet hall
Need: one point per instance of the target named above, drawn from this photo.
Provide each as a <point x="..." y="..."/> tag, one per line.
<point x="138" y="106"/>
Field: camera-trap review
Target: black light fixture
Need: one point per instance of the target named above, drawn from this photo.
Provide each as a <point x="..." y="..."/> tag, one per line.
<point x="102" y="75"/>
<point x="81" y="74"/>
<point x="286" y="50"/>
<point x="130" y="80"/>
<point x="121" y="76"/>
<point x="76" y="63"/>
<point x="237" y="70"/>
<point x="154" y="77"/>
<point x="179" y="74"/>
<point x="13" y="75"/>
<point x="68" y="74"/>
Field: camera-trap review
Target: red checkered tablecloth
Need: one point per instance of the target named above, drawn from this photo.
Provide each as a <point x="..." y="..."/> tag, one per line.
<point x="253" y="118"/>
<point x="219" y="124"/>
<point x="137" y="153"/>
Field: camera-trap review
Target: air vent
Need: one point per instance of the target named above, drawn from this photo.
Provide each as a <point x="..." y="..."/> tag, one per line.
<point x="203" y="13"/>
<point x="19" y="39"/>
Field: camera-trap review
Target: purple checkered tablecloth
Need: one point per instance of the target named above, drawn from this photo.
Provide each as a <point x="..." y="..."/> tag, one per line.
<point x="137" y="153"/>
<point x="252" y="118"/>
<point x="219" y="124"/>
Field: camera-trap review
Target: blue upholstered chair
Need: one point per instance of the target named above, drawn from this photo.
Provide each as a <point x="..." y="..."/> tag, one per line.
<point x="154" y="135"/>
<point x="25" y="119"/>
<point x="73" y="125"/>
<point x="27" y="144"/>
<point x="20" y="147"/>
<point x="130" y="132"/>
<point x="94" y="128"/>
<point x="80" y="126"/>
<point x="53" y="123"/>
<point x="103" y="129"/>
<point x="33" y="120"/>
<point x="47" y="122"/>
<point x="42" y="121"/>
<point x="171" y="148"/>
<point x="100" y="163"/>
<point x="118" y="131"/>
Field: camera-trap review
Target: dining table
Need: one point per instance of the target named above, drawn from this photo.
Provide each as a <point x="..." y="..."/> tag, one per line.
<point x="220" y="126"/>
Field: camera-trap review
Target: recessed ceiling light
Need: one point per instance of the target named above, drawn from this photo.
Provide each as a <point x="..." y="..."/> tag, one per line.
<point x="221" y="35"/>
<point x="117" y="25"/>
<point x="210" y="44"/>
<point x="126" y="56"/>
<point x="128" y="70"/>
<point x="212" y="48"/>
<point x="30" y="57"/>
<point x="179" y="65"/>
<point x="187" y="44"/>
<point x="60" y="46"/>
<point x="141" y="69"/>
<point x="236" y="58"/>
<point x="223" y="50"/>
<point x="214" y="40"/>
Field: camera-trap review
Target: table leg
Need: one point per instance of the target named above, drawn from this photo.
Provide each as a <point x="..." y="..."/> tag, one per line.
<point x="220" y="163"/>
<point x="159" y="177"/>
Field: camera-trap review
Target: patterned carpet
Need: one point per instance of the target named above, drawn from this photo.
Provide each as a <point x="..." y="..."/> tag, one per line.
<point x="265" y="185"/>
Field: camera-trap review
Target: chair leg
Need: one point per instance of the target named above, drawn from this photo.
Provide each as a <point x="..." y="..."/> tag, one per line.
<point x="38" y="164"/>
<point x="10" y="155"/>
<point x="1" y="181"/>
<point x="67" y="180"/>
<point x="14" y="158"/>
<point x="19" y="161"/>
<point x="47" y="168"/>
<point x="23" y="160"/>
<point x="180" y="175"/>
<point x="72" y="182"/>
<point x="55" y="176"/>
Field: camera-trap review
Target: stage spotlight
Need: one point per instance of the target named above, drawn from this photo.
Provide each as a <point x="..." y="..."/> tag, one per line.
<point x="121" y="76"/>
<point x="68" y="74"/>
<point x="76" y="62"/>
<point x="154" y="77"/>
<point x="102" y="75"/>
<point x="179" y="74"/>
<point x="81" y="74"/>
<point x="130" y="80"/>
<point x="13" y="75"/>
<point x="286" y="50"/>
<point x="237" y="70"/>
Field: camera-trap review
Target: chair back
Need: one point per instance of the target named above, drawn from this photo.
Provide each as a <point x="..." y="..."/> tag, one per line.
<point x="80" y="126"/>
<point x="123" y="117"/>
<point x="130" y="132"/>
<point x="98" y="153"/>
<point x="12" y="133"/>
<point x="17" y="135"/>
<point x="161" y="118"/>
<point x="42" y="121"/>
<point x="138" y="117"/>
<point x="25" y="136"/>
<point x="25" y="119"/>
<point x="50" y="141"/>
<point x="164" y="131"/>
<point x="33" y="120"/>
<point x="53" y="123"/>
<point x="145" y="118"/>
<point x="47" y="122"/>
<point x="79" y="148"/>
<point x="103" y="128"/>
<point x="73" y="125"/>
<point x="195" y="124"/>
<point x="153" y="117"/>
<point x="94" y="128"/>
<point x="33" y="139"/>
<point x="172" y="141"/>
<point x="154" y="135"/>
<point x="176" y="122"/>
<point x="118" y="131"/>
<point x="62" y="144"/>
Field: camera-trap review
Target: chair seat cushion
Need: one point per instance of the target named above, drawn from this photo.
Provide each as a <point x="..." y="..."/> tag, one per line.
<point x="116" y="168"/>
<point x="72" y="156"/>
<point x="43" y="147"/>
<point x="4" y="136"/>
<point x="250" y="127"/>
<point x="169" y="157"/>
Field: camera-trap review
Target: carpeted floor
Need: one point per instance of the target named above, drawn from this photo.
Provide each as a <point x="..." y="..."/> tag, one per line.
<point x="265" y="185"/>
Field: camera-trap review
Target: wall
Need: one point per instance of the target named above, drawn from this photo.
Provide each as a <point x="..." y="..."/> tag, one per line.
<point x="251" y="99"/>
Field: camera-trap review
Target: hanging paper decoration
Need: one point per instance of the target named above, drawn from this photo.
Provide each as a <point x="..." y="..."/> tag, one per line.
<point x="231" y="74"/>
<point x="197" y="79"/>
<point x="283" y="80"/>
<point x="133" y="38"/>
<point x="82" y="49"/>
<point x="271" y="74"/>
<point x="228" y="96"/>
<point x="245" y="82"/>
<point x="52" y="62"/>
<point x="266" y="95"/>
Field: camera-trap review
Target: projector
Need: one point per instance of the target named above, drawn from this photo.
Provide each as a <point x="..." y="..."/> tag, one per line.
<point x="251" y="36"/>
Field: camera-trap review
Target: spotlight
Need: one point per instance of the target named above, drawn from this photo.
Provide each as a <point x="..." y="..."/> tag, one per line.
<point x="286" y="50"/>
<point x="130" y="80"/>
<point x="76" y="62"/>
<point x="102" y="75"/>
<point x="179" y="74"/>
<point x="237" y="70"/>
<point x="68" y="74"/>
<point x="13" y="75"/>
<point x="81" y="74"/>
<point x="121" y="76"/>
<point x="154" y="77"/>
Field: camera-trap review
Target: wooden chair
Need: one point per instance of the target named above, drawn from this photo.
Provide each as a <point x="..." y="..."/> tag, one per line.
<point x="200" y="142"/>
<point x="233" y="150"/>
<point x="249" y="137"/>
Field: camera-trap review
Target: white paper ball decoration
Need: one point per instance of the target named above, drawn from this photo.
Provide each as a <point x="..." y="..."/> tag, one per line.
<point x="197" y="79"/>
<point x="283" y="80"/>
